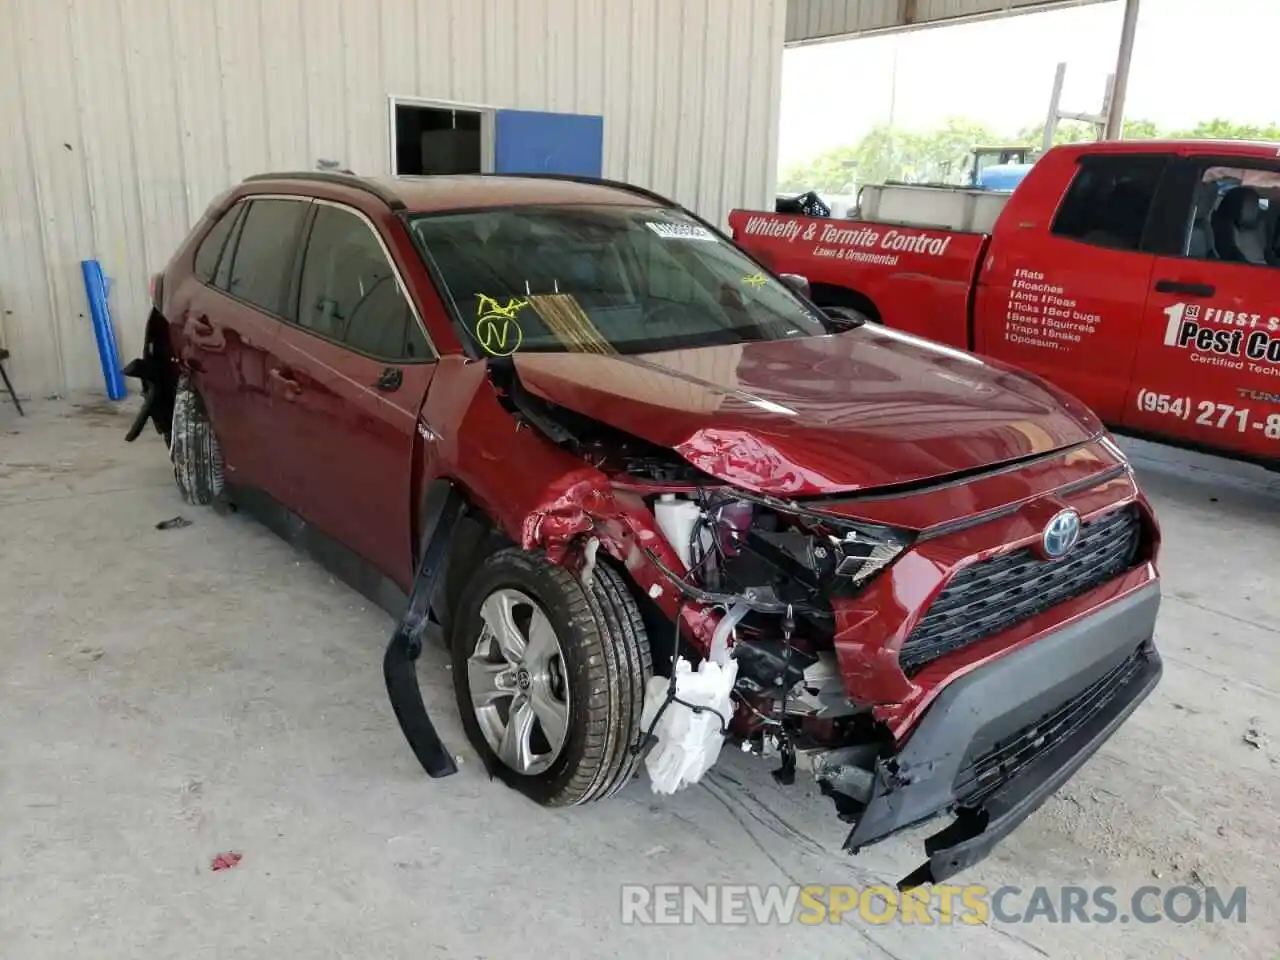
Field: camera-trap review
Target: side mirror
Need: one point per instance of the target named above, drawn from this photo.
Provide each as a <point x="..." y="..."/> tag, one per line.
<point x="843" y="318"/>
<point x="797" y="283"/>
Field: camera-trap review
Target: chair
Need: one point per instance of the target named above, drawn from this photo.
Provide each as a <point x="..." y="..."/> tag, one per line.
<point x="1238" y="230"/>
<point x="13" y="394"/>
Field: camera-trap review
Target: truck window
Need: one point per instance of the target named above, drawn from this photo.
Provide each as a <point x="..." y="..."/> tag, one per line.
<point x="1109" y="200"/>
<point x="1235" y="216"/>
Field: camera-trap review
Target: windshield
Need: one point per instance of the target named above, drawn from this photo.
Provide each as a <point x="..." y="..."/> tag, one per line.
<point x="605" y="279"/>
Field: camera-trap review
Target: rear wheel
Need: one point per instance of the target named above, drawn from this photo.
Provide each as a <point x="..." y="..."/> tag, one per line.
<point x="193" y="448"/>
<point x="549" y="676"/>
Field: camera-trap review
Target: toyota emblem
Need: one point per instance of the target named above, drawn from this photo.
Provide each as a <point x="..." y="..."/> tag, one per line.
<point x="1061" y="534"/>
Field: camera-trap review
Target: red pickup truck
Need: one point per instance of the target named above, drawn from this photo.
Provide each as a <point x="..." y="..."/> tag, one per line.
<point x="1135" y="275"/>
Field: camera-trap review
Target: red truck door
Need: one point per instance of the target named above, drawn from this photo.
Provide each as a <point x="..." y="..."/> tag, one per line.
<point x="1064" y="287"/>
<point x="354" y="369"/>
<point x="1208" y="365"/>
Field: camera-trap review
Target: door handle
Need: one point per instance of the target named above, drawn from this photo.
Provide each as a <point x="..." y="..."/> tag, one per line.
<point x="389" y="379"/>
<point x="1189" y="289"/>
<point x="291" y="386"/>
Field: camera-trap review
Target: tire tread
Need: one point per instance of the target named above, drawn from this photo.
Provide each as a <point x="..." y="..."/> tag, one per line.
<point x="193" y="448"/>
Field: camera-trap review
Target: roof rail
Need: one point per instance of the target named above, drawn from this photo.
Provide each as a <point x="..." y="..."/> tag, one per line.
<point x="338" y="179"/>
<point x="595" y="181"/>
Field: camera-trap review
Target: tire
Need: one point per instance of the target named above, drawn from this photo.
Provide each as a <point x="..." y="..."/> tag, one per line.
<point x="193" y="448"/>
<point x="604" y="658"/>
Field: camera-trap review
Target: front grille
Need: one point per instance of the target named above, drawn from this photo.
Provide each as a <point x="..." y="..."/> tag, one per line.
<point x="988" y="597"/>
<point x="987" y="773"/>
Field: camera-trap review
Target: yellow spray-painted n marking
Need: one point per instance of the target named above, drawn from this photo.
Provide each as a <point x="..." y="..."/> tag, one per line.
<point x="497" y="330"/>
<point x="488" y="305"/>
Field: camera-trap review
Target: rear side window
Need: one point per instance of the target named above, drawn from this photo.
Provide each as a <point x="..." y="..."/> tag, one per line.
<point x="1109" y="201"/>
<point x="263" y="256"/>
<point x="211" y="246"/>
<point x="222" y="279"/>
<point x="349" y="291"/>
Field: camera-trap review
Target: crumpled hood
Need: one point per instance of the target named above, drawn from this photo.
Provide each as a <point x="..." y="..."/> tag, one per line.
<point x="818" y="415"/>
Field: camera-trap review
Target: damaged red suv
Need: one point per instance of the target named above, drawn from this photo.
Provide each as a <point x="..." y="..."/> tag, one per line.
<point x="577" y="428"/>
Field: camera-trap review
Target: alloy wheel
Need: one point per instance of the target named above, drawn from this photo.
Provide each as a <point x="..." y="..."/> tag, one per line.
<point x="517" y="682"/>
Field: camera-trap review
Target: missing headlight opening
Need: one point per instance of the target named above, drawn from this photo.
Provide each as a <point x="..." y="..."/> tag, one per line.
<point x="773" y="570"/>
<point x="747" y="586"/>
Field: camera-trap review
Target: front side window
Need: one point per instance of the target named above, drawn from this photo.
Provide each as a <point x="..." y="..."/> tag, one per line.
<point x="350" y="293"/>
<point x="264" y="252"/>
<point x="603" y="279"/>
<point x="1236" y="216"/>
<point x="1109" y="200"/>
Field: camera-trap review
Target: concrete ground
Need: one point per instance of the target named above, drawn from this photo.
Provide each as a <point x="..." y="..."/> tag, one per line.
<point x="166" y="696"/>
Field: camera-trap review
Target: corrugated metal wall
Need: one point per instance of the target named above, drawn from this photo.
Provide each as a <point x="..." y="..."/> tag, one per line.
<point x="809" y="20"/>
<point x="126" y="117"/>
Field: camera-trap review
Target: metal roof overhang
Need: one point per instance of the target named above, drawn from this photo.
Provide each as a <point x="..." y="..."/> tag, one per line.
<point x="818" y="21"/>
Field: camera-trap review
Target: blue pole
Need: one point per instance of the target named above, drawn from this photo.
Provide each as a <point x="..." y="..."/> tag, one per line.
<point x="95" y="287"/>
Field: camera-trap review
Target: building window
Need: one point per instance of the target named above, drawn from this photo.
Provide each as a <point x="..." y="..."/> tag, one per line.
<point x="437" y="139"/>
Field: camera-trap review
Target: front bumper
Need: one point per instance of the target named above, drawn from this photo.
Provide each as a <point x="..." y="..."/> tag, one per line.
<point x="998" y="741"/>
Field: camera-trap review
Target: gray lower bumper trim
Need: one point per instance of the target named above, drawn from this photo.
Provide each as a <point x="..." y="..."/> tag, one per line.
<point x="979" y="709"/>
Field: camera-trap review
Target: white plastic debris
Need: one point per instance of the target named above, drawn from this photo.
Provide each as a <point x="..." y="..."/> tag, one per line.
<point x="589" y="561"/>
<point x="688" y="742"/>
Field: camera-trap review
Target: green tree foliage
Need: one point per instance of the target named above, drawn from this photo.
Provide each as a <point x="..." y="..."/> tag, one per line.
<point x="1074" y="131"/>
<point x="1219" y="129"/>
<point x="943" y="155"/>
<point x="885" y="153"/>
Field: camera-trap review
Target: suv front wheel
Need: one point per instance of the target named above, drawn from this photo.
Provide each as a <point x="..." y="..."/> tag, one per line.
<point x="550" y="676"/>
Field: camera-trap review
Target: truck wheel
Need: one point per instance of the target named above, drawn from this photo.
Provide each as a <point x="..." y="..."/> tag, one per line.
<point x="549" y="676"/>
<point x="193" y="448"/>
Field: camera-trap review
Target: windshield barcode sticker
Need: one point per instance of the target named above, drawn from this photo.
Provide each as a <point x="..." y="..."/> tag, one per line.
<point x="680" y="231"/>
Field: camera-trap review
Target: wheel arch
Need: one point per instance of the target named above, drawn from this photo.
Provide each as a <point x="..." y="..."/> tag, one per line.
<point x="836" y="295"/>
<point x="453" y="530"/>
